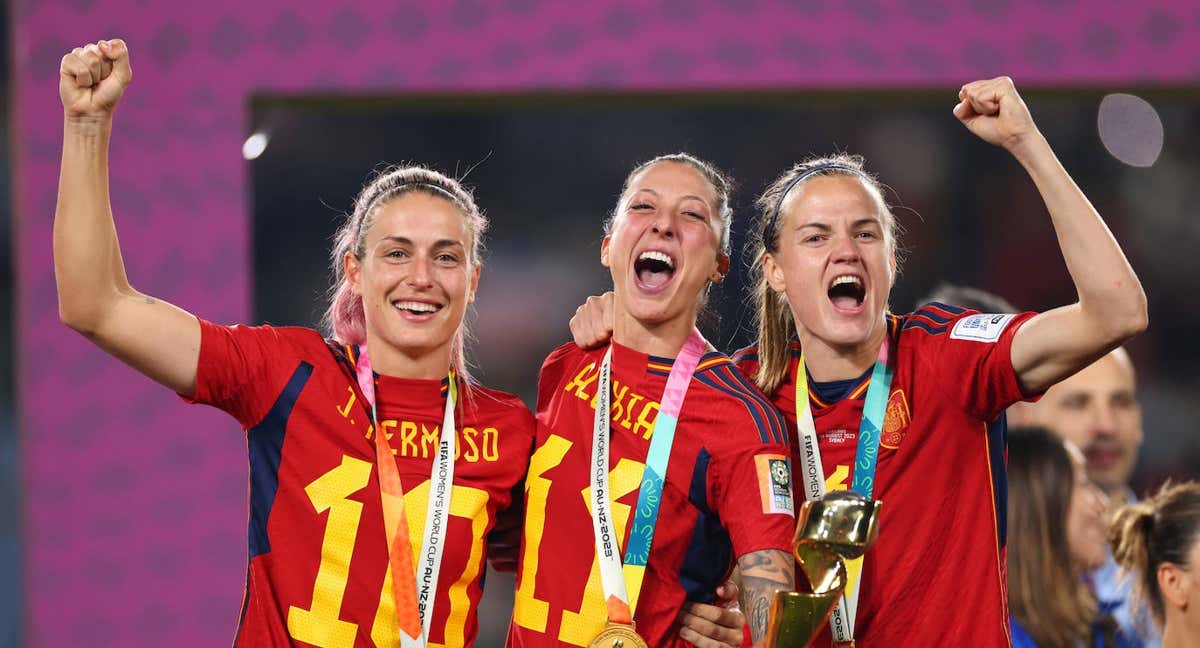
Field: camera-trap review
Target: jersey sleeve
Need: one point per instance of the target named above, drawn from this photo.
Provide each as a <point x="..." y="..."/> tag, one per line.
<point x="524" y="428"/>
<point x="551" y="375"/>
<point x="746" y="361"/>
<point x="970" y="355"/>
<point x="241" y="368"/>
<point x="504" y="540"/>
<point x="751" y="475"/>
<point x="753" y="493"/>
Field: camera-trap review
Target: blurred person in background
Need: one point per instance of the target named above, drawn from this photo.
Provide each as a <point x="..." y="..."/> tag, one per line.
<point x="825" y="261"/>
<point x="1056" y="534"/>
<point x="1157" y="542"/>
<point x="1097" y="409"/>
<point x="688" y="436"/>
<point x="348" y="545"/>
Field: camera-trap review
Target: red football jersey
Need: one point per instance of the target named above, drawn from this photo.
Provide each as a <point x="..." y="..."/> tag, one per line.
<point x="936" y="576"/>
<point x="727" y="492"/>
<point x="318" y="553"/>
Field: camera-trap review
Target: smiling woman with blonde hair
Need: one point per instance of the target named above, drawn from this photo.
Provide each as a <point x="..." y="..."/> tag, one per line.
<point x="346" y="501"/>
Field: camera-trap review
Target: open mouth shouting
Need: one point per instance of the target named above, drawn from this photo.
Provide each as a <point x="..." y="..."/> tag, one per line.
<point x="653" y="271"/>
<point x="847" y="293"/>
<point x="417" y="310"/>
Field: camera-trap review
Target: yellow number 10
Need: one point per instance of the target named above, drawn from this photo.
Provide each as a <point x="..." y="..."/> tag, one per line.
<point x="320" y="624"/>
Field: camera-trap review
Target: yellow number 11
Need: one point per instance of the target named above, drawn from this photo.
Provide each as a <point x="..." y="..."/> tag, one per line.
<point x="580" y="626"/>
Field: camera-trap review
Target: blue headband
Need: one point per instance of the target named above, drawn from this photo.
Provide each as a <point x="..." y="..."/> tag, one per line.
<point x="772" y="222"/>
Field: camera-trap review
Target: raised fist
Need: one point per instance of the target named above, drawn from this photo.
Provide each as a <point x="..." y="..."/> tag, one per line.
<point x="92" y="78"/>
<point x="994" y="111"/>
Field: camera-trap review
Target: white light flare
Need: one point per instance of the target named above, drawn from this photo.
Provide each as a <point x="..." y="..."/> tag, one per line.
<point x="255" y="145"/>
<point x="1130" y="129"/>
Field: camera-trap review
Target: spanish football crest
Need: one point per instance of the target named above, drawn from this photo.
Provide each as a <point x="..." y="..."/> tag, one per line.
<point x="895" y="420"/>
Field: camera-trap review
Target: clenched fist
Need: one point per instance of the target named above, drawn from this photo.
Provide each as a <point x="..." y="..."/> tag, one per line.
<point x="92" y="78"/>
<point x="994" y="111"/>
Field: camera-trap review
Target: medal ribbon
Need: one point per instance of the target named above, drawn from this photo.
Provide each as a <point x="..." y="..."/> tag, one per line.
<point x="621" y="580"/>
<point x="413" y="594"/>
<point x="865" y="461"/>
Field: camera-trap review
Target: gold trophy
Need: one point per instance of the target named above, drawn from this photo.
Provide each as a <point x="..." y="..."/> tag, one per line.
<point x="837" y="527"/>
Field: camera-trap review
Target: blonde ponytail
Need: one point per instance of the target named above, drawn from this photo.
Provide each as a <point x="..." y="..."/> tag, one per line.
<point x="1161" y="529"/>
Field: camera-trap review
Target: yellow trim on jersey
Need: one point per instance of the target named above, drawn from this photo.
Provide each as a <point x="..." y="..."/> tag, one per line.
<point x="987" y="458"/>
<point x="711" y="362"/>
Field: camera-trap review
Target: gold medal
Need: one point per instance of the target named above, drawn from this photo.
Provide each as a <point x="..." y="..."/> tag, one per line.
<point x="618" y="635"/>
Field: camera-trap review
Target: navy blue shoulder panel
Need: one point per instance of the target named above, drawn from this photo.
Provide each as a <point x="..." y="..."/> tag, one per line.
<point x="918" y="324"/>
<point x="929" y="312"/>
<point x="768" y="422"/>
<point x="933" y="318"/>
<point x="744" y="355"/>
<point x="341" y="353"/>
<point x="953" y="310"/>
<point x="710" y="551"/>
<point x="265" y="444"/>
<point x="997" y="433"/>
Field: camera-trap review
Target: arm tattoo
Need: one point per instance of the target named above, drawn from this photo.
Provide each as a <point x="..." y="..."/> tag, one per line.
<point x="763" y="574"/>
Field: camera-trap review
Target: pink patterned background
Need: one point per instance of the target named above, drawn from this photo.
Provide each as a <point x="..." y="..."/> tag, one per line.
<point x="134" y="503"/>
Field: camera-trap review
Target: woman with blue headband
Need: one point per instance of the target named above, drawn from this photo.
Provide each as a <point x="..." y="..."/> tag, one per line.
<point x="906" y="409"/>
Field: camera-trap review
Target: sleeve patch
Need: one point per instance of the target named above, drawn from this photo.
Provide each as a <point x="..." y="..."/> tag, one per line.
<point x="981" y="328"/>
<point x="775" y="483"/>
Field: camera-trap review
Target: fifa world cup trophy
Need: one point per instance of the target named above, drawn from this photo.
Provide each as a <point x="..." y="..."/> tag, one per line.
<point x="838" y="527"/>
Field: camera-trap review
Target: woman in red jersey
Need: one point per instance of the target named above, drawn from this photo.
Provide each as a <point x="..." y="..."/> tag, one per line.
<point x="657" y="465"/>
<point x="932" y="384"/>
<point x="348" y="546"/>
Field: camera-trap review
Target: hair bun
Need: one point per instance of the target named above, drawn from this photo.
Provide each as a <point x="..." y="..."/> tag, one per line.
<point x="1129" y="534"/>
